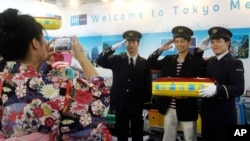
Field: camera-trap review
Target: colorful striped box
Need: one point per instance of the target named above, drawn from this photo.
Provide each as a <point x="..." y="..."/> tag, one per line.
<point x="172" y="86"/>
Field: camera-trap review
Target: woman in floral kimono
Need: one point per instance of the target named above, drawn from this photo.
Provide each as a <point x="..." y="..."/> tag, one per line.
<point x="36" y="106"/>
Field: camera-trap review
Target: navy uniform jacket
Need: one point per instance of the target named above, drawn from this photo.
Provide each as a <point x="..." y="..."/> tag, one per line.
<point x="229" y="74"/>
<point x="131" y="91"/>
<point x="193" y="66"/>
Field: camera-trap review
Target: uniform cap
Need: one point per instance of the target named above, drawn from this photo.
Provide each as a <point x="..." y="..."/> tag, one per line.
<point x="182" y="31"/>
<point x="132" y="35"/>
<point x="219" y="32"/>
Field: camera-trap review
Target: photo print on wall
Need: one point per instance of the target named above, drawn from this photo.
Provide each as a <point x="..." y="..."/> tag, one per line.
<point x="240" y="46"/>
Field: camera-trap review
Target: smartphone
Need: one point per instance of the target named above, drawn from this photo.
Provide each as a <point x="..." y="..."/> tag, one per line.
<point x="62" y="44"/>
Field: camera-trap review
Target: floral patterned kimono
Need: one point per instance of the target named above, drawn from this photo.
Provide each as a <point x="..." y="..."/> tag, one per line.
<point x="38" y="107"/>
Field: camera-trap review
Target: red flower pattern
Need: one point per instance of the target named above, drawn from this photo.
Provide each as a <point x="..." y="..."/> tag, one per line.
<point x="49" y="122"/>
<point x="38" y="112"/>
<point x="12" y="116"/>
<point x="83" y="97"/>
<point x="56" y="104"/>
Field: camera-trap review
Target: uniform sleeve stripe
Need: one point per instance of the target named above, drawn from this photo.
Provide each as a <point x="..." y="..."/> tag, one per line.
<point x="226" y="91"/>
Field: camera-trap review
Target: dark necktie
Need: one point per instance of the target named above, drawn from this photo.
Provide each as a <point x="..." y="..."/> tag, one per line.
<point x="131" y="64"/>
<point x="215" y="60"/>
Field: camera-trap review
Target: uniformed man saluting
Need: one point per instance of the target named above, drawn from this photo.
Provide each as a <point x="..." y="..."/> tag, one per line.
<point x="218" y="110"/>
<point x="178" y="110"/>
<point x="131" y="88"/>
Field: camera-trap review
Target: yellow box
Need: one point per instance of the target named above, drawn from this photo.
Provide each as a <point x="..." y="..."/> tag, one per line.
<point x="179" y="86"/>
<point x="155" y="118"/>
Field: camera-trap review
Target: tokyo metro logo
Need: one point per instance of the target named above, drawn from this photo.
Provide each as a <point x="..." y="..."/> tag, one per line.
<point x="76" y="20"/>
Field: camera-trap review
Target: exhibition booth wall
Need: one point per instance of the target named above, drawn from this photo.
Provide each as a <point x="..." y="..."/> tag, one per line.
<point x="101" y="24"/>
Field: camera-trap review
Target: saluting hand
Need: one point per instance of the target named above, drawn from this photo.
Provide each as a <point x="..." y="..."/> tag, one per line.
<point x="167" y="45"/>
<point x="204" y="44"/>
<point x="117" y="45"/>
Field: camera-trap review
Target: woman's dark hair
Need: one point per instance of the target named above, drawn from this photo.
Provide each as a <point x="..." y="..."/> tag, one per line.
<point x="16" y="33"/>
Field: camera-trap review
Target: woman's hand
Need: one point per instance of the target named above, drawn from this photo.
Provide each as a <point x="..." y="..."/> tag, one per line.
<point x="79" y="54"/>
<point x="77" y="49"/>
<point x="50" y="50"/>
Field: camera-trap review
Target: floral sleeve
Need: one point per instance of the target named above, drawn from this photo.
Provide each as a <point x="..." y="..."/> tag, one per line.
<point x="1" y="109"/>
<point x="86" y="106"/>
